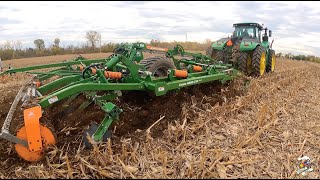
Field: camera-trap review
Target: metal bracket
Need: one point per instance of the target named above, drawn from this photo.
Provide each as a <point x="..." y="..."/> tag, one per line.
<point x="31" y="121"/>
<point x="6" y="135"/>
<point x="113" y="113"/>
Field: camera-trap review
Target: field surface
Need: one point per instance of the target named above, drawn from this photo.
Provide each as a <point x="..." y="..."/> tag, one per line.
<point x="248" y="128"/>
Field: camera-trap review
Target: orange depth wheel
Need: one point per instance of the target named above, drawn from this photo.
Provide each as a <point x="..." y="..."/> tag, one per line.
<point x="47" y="139"/>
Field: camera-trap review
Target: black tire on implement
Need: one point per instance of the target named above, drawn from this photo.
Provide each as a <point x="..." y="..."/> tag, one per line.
<point x="271" y="55"/>
<point x="257" y="61"/>
<point x="158" y="65"/>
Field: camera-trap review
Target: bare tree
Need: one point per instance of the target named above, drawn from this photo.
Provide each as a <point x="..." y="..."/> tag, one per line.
<point x="208" y="41"/>
<point x="7" y="45"/>
<point x="16" y="46"/>
<point x="93" y="37"/>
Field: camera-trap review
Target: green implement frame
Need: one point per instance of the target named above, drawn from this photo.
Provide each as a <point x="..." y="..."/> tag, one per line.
<point x="126" y="73"/>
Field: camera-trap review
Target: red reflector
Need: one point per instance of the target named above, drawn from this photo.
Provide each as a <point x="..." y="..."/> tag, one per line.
<point x="246" y="44"/>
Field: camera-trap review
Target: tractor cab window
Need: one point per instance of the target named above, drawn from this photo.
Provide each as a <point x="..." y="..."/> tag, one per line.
<point x="245" y="31"/>
<point x="257" y="33"/>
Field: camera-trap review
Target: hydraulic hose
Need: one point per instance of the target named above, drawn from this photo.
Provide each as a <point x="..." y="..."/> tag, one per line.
<point x="87" y="68"/>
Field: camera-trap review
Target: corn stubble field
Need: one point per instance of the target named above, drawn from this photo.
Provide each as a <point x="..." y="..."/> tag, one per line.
<point x="237" y="130"/>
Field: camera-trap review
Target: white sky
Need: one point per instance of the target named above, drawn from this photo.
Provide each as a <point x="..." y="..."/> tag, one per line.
<point x="294" y="24"/>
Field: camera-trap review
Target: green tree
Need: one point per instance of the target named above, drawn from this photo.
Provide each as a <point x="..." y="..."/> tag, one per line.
<point x="55" y="47"/>
<point x="56" y="42"/>
<point x="39" y="43"/>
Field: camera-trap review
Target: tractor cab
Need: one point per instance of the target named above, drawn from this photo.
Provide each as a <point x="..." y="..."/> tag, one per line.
<point x="250" y="31"/>
<point x="247" y="30"/>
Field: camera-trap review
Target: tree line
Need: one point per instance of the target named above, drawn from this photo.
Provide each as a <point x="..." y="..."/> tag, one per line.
<point x="299" y="57"/>
<point x="13" y="49"/>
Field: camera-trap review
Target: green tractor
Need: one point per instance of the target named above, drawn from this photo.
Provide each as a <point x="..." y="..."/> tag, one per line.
<point x="246" y="50"/>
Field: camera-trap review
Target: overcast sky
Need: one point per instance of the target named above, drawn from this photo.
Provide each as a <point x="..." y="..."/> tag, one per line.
<point x="295" y="25"/>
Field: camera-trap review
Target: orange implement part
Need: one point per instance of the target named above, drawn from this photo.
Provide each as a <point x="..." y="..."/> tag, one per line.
<point x="197" y="68"/>
<point x="180" y="73"/>
<point x="47" y="139"/>
<point x="113" y="75"/>
<point x="93" y="70"/>
<point x="38" y="84"/>
<point x="157" y="48"/>
<point x="31" y="121"/>
<point x="81" y="68"/>
<point x="229" y="43"/>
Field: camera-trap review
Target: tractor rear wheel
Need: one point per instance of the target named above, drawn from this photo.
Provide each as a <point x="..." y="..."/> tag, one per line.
<point x="219" y="56"/>
<point x="271" y="61"/>
<point x="158" y="65"/>
<point x="215" y="54"/>
<point x="209" y="51"/>
<point x="244" y="63"/>
<point x="258" y="61"/>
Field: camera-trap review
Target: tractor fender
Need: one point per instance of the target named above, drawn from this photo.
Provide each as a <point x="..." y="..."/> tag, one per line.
<point x="220" y="44"/>
<point x="248" y="46"/>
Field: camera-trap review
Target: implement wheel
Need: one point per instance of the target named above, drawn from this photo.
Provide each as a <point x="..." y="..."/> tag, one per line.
<point x="48" y="138"/>
<point x="158" y="65"/>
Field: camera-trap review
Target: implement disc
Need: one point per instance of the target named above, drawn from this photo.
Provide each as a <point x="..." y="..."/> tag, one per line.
<point x="47" y="137"/>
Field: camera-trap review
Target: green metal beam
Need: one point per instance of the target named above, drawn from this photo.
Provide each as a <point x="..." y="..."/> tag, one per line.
<point x="58" y="73"/>
<point x="161" y="88"/>
<point x="72" y="84"/>
<point x="66" y="92"/>
<point x="58" y="83"/>
<point x="29" y="68"/>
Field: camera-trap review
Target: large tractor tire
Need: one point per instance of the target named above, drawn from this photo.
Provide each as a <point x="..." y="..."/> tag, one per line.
<point x="215" y="54"/>
<point x="219" y="56"/>
<point x="158" y="65"/>
<point x="271" y="63"/>
<point x="258" y="61"/>
<point x="244" y="62"/>
<point x="209" y="51"/>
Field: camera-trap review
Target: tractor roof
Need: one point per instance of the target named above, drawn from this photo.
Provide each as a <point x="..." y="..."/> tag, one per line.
<point x="248" y="24"/>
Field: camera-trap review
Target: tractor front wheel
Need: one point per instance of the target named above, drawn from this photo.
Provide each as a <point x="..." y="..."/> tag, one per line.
<point x="271" y="61"/>
<point x="258" y="61"/>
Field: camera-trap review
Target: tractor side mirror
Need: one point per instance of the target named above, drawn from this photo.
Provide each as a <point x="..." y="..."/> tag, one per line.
<point x="270" y="32"/>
